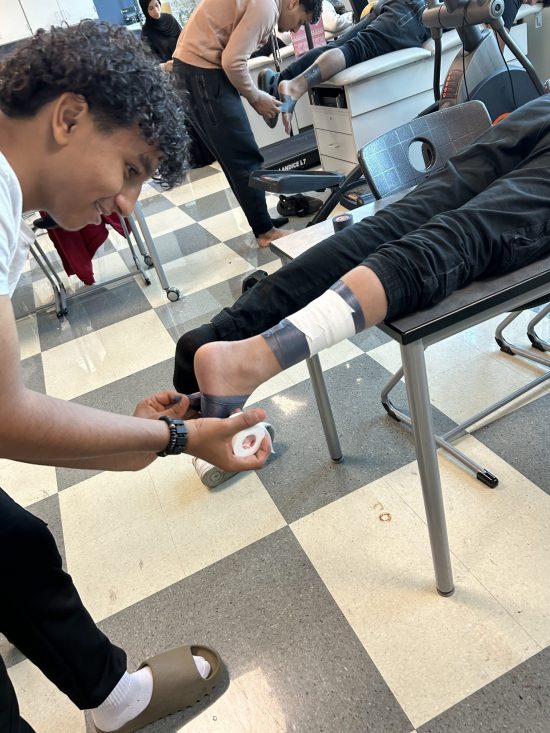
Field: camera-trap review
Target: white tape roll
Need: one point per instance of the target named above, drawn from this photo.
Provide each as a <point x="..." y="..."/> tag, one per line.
<point x="247" y="442"/>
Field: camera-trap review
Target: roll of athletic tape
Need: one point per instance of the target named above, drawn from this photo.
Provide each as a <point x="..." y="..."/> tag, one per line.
<point x="247" y="442"/>
<point x="342" y="221"/>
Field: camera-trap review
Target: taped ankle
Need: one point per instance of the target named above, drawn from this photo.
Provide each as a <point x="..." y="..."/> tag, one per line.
<point x="331" y="318"/>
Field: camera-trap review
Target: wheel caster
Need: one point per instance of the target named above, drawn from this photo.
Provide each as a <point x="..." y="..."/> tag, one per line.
<point x="59" y="314"/>
<point x="147" y="281"/>
<point x="173" y="294"/>
<point x="148" y="260"/>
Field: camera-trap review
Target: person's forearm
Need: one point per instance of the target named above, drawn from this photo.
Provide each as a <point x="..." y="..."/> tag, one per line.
<point x="252" y="30"/>
<point x="236" y="70"/>
<point x="121" y="462"/>
<point x="50" y="431"/>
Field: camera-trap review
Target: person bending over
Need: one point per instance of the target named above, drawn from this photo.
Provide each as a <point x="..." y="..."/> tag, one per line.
<point x="85" y="118"/>
<point x="485" y="213"/>
<point x="389" y="26"/>
<point x="211" y="70"/>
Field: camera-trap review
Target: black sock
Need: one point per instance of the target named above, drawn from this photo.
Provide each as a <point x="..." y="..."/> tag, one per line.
<point x="186" y="348"/>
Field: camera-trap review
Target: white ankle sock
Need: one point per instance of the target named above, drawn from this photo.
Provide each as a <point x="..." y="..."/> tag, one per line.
<point x="131" y="696"/>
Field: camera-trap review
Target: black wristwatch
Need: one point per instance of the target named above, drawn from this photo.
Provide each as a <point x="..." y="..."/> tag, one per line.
<point x="178" y="437"/>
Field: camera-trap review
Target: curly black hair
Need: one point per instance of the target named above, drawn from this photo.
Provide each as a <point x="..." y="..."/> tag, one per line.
<point x="122" y="84"/>
<point x="314" y="7"/>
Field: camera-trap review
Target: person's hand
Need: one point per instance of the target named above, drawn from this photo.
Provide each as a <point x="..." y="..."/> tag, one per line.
<point x="266" y="105"/>
<point x="167" y="66"/>
<point x="209" y="438"/>
<point x="170" y="404"/>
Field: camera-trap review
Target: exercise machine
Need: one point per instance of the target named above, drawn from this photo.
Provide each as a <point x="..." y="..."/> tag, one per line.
<point x="479" y="71"/>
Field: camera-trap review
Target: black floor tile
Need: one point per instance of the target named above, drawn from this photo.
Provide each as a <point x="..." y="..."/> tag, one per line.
<point x="210" y="205"/>
<point x="522" y="439"/>
<point x="517" y="702"/>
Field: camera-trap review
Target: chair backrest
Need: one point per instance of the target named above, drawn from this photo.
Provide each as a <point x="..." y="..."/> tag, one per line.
<point x="427" y="141"/>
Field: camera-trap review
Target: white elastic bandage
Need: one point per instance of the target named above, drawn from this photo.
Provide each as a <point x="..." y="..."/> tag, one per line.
<point x="326" y="321"/>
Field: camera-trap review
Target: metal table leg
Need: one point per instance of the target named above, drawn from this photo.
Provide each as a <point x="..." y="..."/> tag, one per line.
<point x="59" y="292"/>
<point x="137" y="263"/>
<point x="416" y="382"/>
<point x="325" y="410"/>
<point x="173" y="294"/>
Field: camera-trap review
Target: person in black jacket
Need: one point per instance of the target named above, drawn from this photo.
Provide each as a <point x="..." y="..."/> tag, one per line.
<point x="160" y="32"/>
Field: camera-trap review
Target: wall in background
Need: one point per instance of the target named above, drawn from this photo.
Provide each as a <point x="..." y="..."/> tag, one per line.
<point x="111" y="10"/>
<point x="182" y="9"/>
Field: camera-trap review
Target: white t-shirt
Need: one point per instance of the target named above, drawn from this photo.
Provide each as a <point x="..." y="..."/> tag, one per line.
<point x="14" y="244"/>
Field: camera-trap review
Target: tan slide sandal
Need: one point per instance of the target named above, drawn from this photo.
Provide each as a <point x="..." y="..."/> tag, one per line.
<point x="177" y="684"/>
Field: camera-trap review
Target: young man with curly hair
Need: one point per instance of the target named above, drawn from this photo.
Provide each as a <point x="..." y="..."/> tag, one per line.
<point x="85" y="118"/>
<point x="211" y="70"/>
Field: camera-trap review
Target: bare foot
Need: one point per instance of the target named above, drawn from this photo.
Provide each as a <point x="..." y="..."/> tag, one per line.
<point x="265" y="239"/>
<point x="232" y="368"/>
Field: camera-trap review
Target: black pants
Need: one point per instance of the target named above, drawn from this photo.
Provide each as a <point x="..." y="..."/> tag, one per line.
<point x="42" y="615"/>
<point x="486" y="213"/>
<point x="390" y="26"/>
<point x="216" y="111"/>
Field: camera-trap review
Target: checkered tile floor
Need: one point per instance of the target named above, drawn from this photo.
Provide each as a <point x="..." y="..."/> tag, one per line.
<point x="313" y="580"/>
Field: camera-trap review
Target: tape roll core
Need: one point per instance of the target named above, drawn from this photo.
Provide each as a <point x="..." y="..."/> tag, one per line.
<point x="247" y="442"/>
<point x="342" y="221"/>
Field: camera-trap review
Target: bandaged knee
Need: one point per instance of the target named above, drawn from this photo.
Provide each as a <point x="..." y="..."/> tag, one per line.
<point x="334" y="316"/>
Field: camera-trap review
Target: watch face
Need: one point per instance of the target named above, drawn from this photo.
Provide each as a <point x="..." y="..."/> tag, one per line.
<point x="178" y="437"/>
<point x="181" y="435"/>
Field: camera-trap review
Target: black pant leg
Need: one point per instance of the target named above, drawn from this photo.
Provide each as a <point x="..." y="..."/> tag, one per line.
<point x="217" y="113"/>
<point x="42" y="615"/>
<point x="10" y="720"/>
<point x="304" y="62"/>
<point x="522" y="137"/>
<point x="395" y="24"/>
<point x="503" y="228"/>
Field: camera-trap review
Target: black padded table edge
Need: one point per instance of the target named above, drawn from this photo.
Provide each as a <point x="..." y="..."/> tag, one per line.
<point x="506" y="292"/>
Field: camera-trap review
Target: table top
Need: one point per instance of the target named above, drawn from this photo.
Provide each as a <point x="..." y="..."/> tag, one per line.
<point x="295" y="244"/>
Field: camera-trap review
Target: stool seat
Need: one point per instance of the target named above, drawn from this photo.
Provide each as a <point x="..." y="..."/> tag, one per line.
<point x="294" y="181"/>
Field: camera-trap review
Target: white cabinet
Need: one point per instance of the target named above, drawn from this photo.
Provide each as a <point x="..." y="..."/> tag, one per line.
<point x="45" y="13"/>
<point x="74" y="11"/>
<point x="24" y="17"/>
<point x="14" y="25"/>
<point x="42" y="13"/>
